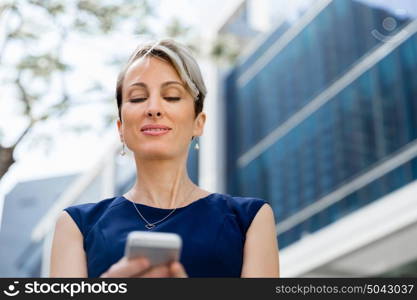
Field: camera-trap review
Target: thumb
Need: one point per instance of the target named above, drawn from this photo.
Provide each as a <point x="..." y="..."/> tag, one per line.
<point x="177" y="270"/>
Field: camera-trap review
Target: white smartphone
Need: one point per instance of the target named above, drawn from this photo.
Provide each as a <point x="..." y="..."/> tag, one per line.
<point x="158" y="247"/>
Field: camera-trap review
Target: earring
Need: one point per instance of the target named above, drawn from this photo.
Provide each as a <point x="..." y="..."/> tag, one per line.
<point x="123" y="152"/>
<point x="196" y="147"/>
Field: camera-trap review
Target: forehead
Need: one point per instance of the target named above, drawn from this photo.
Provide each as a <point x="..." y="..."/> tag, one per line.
<point x="150" y="70"/>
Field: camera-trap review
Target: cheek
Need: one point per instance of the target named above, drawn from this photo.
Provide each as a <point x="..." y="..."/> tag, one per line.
<point x="130" y="124"/>
<point x="187" y="123"/>
<point x="129" y="113"/>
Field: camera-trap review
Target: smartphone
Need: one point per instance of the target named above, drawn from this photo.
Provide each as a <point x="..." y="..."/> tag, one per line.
<point x="158" y="247"/>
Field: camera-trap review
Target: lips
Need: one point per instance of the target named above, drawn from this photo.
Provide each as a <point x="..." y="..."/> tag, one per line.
<point x="155" y="128"/>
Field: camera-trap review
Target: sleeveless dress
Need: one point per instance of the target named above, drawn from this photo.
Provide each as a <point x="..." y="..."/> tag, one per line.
<point x="213" y="231"/>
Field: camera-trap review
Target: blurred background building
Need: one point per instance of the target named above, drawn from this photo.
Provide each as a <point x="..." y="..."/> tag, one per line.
<point x="322" y="122"/>
<point x="318" y="115"/>
<point x="24" y="211"/>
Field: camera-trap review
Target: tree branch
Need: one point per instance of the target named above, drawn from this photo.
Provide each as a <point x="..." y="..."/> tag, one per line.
<point x="24" y="133"/>
<point x="6" y="159"/>
<point x="25" y="97"/>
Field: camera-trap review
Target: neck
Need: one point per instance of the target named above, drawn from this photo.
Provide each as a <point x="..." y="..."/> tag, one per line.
<point x="162" y="183"/>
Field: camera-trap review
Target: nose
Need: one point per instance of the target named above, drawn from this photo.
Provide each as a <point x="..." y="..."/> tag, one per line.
<point x="152" y="114"/>
<point x="154" y="108"/>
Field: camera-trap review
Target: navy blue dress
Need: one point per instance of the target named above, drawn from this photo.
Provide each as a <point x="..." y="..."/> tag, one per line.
<point x="212" y="229"/>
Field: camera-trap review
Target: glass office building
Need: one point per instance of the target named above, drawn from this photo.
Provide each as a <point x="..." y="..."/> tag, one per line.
<point x="322" y="117"/>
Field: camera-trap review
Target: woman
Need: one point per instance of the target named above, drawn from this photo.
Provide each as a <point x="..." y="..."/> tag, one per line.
<point x="160" y="95"/>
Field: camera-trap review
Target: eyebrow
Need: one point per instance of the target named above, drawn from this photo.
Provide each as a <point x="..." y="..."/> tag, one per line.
<point x="141" y="84"/>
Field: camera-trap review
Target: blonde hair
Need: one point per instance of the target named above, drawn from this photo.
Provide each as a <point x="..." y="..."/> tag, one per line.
<point x="180" y="58"/>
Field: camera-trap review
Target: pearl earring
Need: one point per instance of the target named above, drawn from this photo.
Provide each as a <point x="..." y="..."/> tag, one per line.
<point x="123" y="152"/>
<point x="196" y="147"/>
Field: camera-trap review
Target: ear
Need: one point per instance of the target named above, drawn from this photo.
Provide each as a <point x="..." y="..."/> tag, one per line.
<point x="199" y="124"/>
<point x="119" y="128"/>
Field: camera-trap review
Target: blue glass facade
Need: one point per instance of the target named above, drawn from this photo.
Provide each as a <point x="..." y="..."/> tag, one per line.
<point x="192" y="162"/>
<point x="359" y="127"/>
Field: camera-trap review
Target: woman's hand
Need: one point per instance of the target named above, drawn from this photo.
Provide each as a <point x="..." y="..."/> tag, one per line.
<point x="177" y="270"/>
<point x="140" y="267"/>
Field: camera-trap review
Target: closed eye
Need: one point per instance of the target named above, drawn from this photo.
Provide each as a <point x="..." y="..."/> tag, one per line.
<point x="137" y="100"/>
<point x="166" y="98"/>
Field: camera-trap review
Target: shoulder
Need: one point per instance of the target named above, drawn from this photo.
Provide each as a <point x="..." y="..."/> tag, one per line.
<point x="243" y="209"/>
<point x="264" y="217"/>
<point x="87" y="214"/>
<point x="242" y="205"/>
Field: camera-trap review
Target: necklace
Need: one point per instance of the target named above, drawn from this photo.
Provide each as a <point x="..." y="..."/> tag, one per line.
<point x="152" y="225"/>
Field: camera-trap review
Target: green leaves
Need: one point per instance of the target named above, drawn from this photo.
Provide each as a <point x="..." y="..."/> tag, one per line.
<point x="43" y="65"/>
<point x="105" y="16"/>
<point x="225" y="49"/>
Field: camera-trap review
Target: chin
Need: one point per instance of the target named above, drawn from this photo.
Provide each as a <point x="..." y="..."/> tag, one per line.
<point x="154" y="154"/>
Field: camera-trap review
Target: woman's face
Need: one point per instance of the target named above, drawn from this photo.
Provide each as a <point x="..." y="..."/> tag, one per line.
<point x="153" y="94"/>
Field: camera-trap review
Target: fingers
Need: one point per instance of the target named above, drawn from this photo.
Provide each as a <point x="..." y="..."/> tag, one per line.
<point x="140" y="267"/>
<point x="127" y="267"/>
<point x="174" y="269"/>
<point x="177" y="270"/>
<point x="156" y="272"/>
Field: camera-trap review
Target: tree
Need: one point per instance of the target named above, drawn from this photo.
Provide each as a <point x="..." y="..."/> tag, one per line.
<point x="49" y="24"/>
